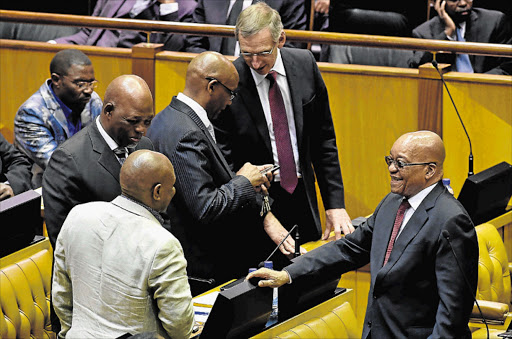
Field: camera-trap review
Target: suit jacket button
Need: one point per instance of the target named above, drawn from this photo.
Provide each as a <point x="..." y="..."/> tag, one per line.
<point x="369" y="324"/>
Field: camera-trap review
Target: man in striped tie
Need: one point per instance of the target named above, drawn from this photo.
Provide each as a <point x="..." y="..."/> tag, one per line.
<point x="421" y="246"/>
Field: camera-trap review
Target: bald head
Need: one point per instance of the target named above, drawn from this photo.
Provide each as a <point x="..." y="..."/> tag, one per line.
<point x="127" y="109"/>
<point x="209" y="80"/>
<point x="426" y="151"/>
<point x="148" y="177"/>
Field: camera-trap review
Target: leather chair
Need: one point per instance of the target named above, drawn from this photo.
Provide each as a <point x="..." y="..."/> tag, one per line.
<point x="494" y="286"/>
<point x="363" y="21"/>
<point x="338" y="323"/>
<point x="25" y="282"/>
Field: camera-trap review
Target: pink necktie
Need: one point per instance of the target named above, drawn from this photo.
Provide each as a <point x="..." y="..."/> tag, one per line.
<point x="396" y="227"/>
<point x="287" y="171"/>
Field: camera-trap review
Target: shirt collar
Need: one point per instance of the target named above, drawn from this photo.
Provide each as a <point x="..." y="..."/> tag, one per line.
<point x="278" y="67"/>
<point x="154" y="212"/>
<point x="416" y="200"/>
<point x="110" y="142"/>
<point x="198" y="109"/>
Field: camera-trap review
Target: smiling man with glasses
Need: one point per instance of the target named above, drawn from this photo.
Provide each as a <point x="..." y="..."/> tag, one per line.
<point x="457" y="20"/>
<point x="282" y="116"/>
<point x="61" y="107"/>
<point x="412" y="241"/>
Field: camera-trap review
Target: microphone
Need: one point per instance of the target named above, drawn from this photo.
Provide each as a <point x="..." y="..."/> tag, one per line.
<point x="297" y="244"/>
<point x="446" y="235"/>
<point x="261" y="264"/>
<point x="470" y="171"/>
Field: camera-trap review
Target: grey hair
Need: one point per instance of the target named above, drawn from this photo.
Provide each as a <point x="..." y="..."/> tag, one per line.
<point x="258" y="17"/>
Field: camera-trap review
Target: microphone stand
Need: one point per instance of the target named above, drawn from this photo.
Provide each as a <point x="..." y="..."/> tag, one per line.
<point x="470" y="170"/>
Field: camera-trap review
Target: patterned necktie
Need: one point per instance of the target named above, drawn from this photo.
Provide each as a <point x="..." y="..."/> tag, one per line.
<point x="462" y="62"/>
<point x="121" y="154"/>
<point x="396" y="227"/>
<point x="212" y="132"/>
<point x="228" y="44"/>
<point x="287" y="171"/>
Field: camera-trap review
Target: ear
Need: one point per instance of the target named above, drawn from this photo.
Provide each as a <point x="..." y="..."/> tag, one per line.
<point x="282" y="39"/>
<point x="157" y="192"/>
<point x="55" y="79"/>
<point x="108" y="109"/>
<point x="430" y="171"/>
<point x="210" y="87"/>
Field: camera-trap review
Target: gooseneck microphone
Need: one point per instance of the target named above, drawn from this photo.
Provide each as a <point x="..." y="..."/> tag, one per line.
<point x="446" y="235"/>
<point x="470" y="171"/>
<point x="261" y="264"/>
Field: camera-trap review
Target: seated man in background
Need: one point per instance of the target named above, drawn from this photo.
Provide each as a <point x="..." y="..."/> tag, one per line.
<point x="162" y="10"/>
<point x="215" y="215"/>
<point x="459" y="21"/>
<point x="86" y="167"/>
<point x="225" y="12"/>
<point x="15" y="176"/>
<point x="417" y="289"/>
<point x="61" y="107"/>
<point x="117" y="270"/>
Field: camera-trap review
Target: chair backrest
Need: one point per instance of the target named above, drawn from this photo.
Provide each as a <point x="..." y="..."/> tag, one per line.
<point x="493" y="271"/>
<point x="338" y="323"/>
<point x="25" y="282"/>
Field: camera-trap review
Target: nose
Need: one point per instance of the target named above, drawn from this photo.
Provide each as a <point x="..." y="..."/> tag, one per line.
<point x="392" y="168"/>
<point x="88" y="89"/>
<point x="141" y="128"/>
<point x="255" y="62"/>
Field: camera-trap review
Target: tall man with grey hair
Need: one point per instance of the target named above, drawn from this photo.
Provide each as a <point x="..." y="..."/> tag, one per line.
<point x="282" y="116"/>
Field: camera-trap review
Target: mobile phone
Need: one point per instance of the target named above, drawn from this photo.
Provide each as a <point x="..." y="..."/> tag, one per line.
<point x="270" y="169"/>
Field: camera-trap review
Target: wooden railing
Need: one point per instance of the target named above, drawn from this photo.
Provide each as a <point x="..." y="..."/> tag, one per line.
<point x="223" y="30"/>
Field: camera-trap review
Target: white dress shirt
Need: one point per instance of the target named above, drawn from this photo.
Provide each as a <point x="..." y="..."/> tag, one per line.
<point x="199" y="110"/>
<point x="414" y="201"/>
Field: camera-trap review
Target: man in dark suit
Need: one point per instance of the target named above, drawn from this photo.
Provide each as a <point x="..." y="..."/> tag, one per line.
<point x="459" y="21"/>
<point x="306" y="146"/>
<point x="15" y="177"/>
<point x="225" y="12"/>
<point x="86" y="167"/>
<point x="215" y="213"/>
<point x="162" y="10"/>
<point x="418" y="289"/>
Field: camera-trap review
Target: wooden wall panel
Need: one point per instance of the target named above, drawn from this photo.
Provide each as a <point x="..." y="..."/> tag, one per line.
<point x="485" y="105"/>
<point x="371" y="107"/>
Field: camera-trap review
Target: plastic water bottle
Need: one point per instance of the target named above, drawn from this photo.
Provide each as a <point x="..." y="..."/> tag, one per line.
<point x="274" y="314"/>
<point x="446" y="183"/>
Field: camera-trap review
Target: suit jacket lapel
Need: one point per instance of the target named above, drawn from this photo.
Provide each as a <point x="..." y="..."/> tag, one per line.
<point x="471" y="32"/>
<point x="184" y="108"/>
<point x="107" y="158"/>
<point x="383" y="230"/>
<point x="294" y="82"/>
<point x="414" y="225"/>
<point x="249" y="95"/>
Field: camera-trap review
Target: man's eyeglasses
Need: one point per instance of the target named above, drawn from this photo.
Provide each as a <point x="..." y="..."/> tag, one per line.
<point x="231" y="93"/>
<point x="82" y="84"/>
<point x="457" y="1"/>
<point x="260" y="54"/>
<point x="401" y="164"/>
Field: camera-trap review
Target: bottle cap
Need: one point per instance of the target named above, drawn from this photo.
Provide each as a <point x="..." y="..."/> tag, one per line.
<point x="252" y="269"/>
<point x="268" y="264"/>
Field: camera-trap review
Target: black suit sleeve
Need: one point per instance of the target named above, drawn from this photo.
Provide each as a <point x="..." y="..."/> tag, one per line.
<point x="206" y="200"/>
<point x="15" y="167"/>
<point x="323" y="148"/>
<point x="61" y="190"/>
